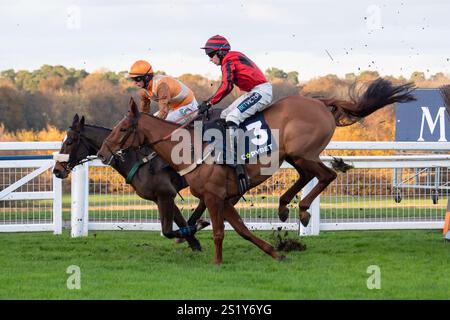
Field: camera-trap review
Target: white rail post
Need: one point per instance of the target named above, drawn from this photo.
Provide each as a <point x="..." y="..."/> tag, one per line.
<point x="313" y="227"/>
<point x="57" y="205"/>
<point x="79" y="204"/>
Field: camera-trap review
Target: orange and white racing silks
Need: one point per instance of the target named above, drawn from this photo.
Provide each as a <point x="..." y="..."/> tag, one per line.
<point x="173" y="97"/>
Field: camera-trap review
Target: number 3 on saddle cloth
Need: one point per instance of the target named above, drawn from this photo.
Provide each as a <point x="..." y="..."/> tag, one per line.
<point x="255" y="141"/>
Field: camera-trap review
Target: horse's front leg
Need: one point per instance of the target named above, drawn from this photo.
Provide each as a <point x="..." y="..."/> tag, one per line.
<point x="198" y="212"/>
<point x="201" y="207"/>
<point x="232" y="216"/>
<point x="168" y="213"/>
<point x="165" y="209"/>
<point x="185" y="231"/>
<point x="215" y="207"/>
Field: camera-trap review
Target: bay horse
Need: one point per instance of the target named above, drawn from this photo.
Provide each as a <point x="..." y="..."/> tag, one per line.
<point x="152" y="181"/>
<point x="305" y="127"/>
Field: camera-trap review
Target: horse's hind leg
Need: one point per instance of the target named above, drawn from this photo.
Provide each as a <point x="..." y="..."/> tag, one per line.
<point x="201" y="207"/>
<point x="325" y="176"/>
<point x="198" y="212"/>
<point x="232" y="216"/>
<point x="286" y="198"/>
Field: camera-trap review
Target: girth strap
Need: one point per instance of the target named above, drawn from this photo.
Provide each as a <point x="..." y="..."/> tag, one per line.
<point x="137" y="165"/>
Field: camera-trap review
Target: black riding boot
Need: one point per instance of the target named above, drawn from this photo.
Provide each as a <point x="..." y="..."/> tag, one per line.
<point x="241" y="175"/>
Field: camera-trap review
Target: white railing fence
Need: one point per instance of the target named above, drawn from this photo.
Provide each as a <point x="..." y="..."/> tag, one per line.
<point x="397" y="192"/>
<point x="371" y="196"/>
<point x="381" y="192"/>
<point x="30" y="197"/>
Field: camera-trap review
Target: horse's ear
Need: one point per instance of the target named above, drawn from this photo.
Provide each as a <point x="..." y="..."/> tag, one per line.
<point x="82" y="122"/>
<point x="133" y="107"/>
<point x="75" y="120"/>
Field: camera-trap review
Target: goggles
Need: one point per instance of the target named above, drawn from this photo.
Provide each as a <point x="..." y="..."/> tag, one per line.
<point x="210" y="52"/>
<point x="138" y="79"/>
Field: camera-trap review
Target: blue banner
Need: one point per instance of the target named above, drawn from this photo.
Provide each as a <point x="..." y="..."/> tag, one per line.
<point x="423" y="120"/>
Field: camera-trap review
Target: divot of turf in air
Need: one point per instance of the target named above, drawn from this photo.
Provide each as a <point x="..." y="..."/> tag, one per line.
<point x="283" y="242"/>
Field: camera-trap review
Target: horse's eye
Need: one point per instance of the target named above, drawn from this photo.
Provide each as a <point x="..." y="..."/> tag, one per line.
<point x="123" y="129"/>
<point x="69" y="141"/>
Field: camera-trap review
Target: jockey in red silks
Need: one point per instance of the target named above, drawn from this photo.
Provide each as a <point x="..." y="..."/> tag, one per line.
<point x="239" y="70"/>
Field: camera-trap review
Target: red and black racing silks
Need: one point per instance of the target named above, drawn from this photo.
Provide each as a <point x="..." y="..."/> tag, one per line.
<point x="217" y="43"/>
<point x="238" y="70"/>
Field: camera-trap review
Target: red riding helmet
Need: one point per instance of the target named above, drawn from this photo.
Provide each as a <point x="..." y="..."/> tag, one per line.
<point x="216" y="43"/>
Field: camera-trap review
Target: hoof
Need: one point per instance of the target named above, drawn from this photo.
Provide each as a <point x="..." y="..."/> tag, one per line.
<point x="304" y="218"/>
<point x="196" y="248"/>
<point x="283" y="214"/>
<point x="201" y="224"/>
<point x="282" y="258"/>
<point x="194" y="244"/>
<point x="179" y="240"/>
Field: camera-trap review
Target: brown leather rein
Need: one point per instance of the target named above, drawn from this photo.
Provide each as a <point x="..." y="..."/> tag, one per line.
<point x="184" y="125"/>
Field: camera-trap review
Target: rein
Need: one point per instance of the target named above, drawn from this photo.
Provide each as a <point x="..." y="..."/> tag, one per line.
<point x="177" y="129"/>
<point x="87" y="143"/>
<point x="133" y="130"/>
<point x="123" y="140"/>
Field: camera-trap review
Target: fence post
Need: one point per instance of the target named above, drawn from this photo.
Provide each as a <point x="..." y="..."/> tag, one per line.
<point x="313" y="228"/>
<point x="57" y="205"/>
<point x="79" y="204"/>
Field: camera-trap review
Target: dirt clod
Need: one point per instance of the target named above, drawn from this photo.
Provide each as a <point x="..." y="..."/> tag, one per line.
<point x="284" y="242"/>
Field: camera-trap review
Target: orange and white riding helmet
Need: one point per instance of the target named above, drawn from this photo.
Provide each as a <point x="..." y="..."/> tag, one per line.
<point x="140" y="68"/>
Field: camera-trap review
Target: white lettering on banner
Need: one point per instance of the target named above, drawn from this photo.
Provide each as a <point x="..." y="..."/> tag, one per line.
<point x="426" y="115"/>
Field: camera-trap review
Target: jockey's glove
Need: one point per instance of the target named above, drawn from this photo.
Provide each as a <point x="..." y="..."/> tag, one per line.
<point x="204" y="107"/>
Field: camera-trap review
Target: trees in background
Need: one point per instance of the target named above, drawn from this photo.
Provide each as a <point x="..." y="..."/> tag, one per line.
<point x="12" y="108"/>
<point x="278" y="74"/>
<point x="50" y="96"/>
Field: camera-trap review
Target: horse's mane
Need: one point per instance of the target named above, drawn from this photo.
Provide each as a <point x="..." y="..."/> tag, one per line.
<point x="445" y="93"/>
<point x="97" y="127"/>
<point x="174" y="124"/>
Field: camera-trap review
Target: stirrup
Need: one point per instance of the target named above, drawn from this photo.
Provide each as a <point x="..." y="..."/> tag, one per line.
<point x="242" y="179"/>
<point x="241" y="175"/>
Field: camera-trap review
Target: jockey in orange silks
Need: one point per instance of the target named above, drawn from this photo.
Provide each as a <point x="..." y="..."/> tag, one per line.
<point x="174" y="98"/>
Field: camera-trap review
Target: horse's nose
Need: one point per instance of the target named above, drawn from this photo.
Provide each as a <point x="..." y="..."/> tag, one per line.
<point x="57" y="173"/>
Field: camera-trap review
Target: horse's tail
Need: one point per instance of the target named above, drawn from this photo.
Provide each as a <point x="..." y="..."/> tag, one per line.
<point x="445" y="92"/>
<point x="338" y="164"/>
<point x="378" y="94"/>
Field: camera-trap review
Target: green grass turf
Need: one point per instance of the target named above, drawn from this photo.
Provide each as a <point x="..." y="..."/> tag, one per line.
<point x="144" y="265"/>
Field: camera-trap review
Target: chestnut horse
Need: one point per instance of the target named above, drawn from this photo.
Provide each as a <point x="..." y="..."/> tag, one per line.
<point x="152" y="181"/>
<point x="305" y="127"/>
